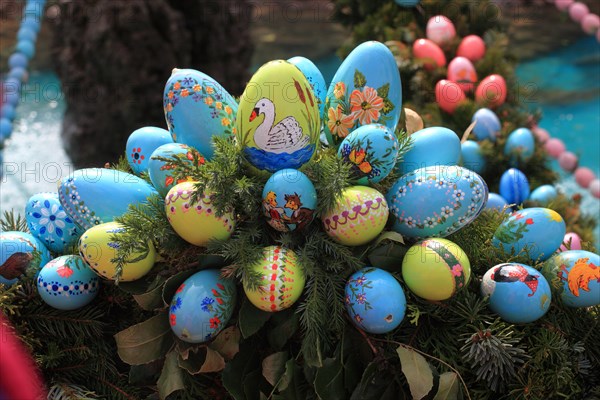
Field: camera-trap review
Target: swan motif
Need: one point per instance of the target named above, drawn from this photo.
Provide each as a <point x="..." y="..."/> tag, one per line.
<point x="285" y="137"/>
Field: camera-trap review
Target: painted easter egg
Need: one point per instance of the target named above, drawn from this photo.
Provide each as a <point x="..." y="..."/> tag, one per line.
<point x="435" y="269"/>
<point x="462" y="71"/>
<point x="407" y="3"/>
<point x="92" y="196"/>
<point x="142" y="143"/>
<point x="161" y="174"/>
<point x="314" y="77"/>
<point x="98" y="248"/>
<point x="358" y="217"/>
<point x="202" y="306"/>
<point x="577" y="274"/>
<point x="538" y="231"/>
<point x="449" y="95"/>
<point x="196" y="223"/>
<point x="519" y="146"/>
<point x="281" y="280"/>
<point x="471" y="47"/>
<point x="47" y="221"/>
<point x="67" y="283"/>
<point x="517" y="293"/>
<point x="429" y="54"/>
<point x="487" y="124"/>
<point x="491" y="91"/>
<point x="20" y="252"/>
<point x="471" y="156"/>
<point x="514" y="186"/>
<point x="436" y="201"/>
<point x="372" y="151"/>
<point x="375" y="300"/>
<point x="198" y="108"/>
<point x="278" y="121"/>
<point x="571" y="241"/>
<point x="495" y="201"/>
<point x="440" y="29"/>
<point x="366" y="89"/>
<point x="544" y="194"/>
<point x="431" y="147"/>
<point x="289" y="200"/>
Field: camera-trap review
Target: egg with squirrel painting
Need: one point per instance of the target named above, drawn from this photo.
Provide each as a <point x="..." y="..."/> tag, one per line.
<point x="314" y="76"/>
<point x="197" y="222"/>
<point x="519" y="146"/>
<point x="98" y="248"/>
<point x="431" y="147"/>
<point x="372" y="151"/>
<point x="436" y="269"/>
<point x="366" y="89"/>
<point x="142" y="143"/>
<point x="375" y="300"/>
<point x="289" y="200"/>
<point x="538" y="232"/>
<point x="471" y="156"/>
<point x="514" y="186"/>
<point x="429" y="54"/>
<point x="281" y="280"/>
<point x="162" y="175"/>
<point x="278" y="121"/>
<point x="48" y="221"/>
<point x="67" y="283"/>
<point x="576" y="276"/>
<point x="197" y="108"/>
<point x="487" y="124"/>
<point x="93" y="196"/>
<point x="202" y="306"/>
<point x="20" y="253"/>
<point x="436" y="201"/>
<point x="462" y="71"/>
<point x="440" y="29"/>
<point x="518" y="293"/>
<point x="359" y="216"/>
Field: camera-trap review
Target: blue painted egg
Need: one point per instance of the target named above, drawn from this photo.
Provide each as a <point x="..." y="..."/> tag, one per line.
<point x="92" y="196"/>
<point x="539" y="230"/>
<point x="496" y="201"/>
<point x="518" y="293"/>
<point x="514" y="186"/>
<point x="431" y="147"/>
<point x="576" y="273"/>
<point x="202" y="306"/>
<point x="48" y="221"/>
<point x="471" y="156"/>
<point x="366" y="89"/>
<point x="289" y="200"/>
<point x="544" y="194"/>
<point x="18" y="255"/>
<point x="197" y="108"/>
<point x="314" y="77"/>
<point x="372" y="151"/>
<point x="487" y="126"/>
<point x="436" y="201"/>
<point x="519" y="146"/>
<point x="375" y="300"/>
<point x="161" y="175"/>
<point x="67" y="283"/>
<point x="140" y="145"/>
<point x="407" y="3"/>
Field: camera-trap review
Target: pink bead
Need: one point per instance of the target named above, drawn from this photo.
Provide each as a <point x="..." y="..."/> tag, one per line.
<point x="563" y="5"/>
<point x="590" y="23"/>
<point x="568" y="161"/>
<point x="584" y="176"/>
<point x="598" y="35"/>
<point x="574" y="239"/>
<point x="554" y="147"/>
<point x="541" y="134"/>
<point x="577" y="11"/>
<point x="595" y="188"/>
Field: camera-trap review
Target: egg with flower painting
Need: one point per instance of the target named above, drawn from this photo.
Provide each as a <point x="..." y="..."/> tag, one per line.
<point x="440" y="29"/>
<point x="576" y="275"/>
<point x="197" y="108"/>
<point x="462" y="71"/>
<point x="162" y="173"/>
<point x="372" y="151"/>
<point x="365" y="90"/>
<point x="202" y="306"/>
<point x="20" y="253"/>
<point x="140" y="145"/>
<point x="278" y="120"/>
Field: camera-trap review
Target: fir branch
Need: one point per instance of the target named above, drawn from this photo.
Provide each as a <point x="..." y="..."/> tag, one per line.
<point x="10" y="222"/>
<point x="121" y="165"/>
<point x="65" y="391"/>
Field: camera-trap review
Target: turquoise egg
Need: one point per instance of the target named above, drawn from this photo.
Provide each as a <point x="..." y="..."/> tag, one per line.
<point x="540" y="230"/>
<point x="431" y="147"/>
<point x="161" y="175"/>
<point x="514" y="186"/>
<point x="471" y="156"/>
<point x="375" y="300"/>
<point x="544" y="194"/>
<point x="437" y="202"/>
<point x="48" y="221"/>
<point x="92" y="196"/>
<point x="140" y="145"/>
<point x="519" y="146"/>
<point x="366" y="89"/>
<point x="372" y="151"/>
<point x="518" y="293"/>
<point x="576" y="273"/>
<point x="67" y="283"/>
<point x="18" y="255"/>
<point x="314" y="77"/>
<point x="202" y="306"/>
<point x="197" y="108"/>
<point x="487" y="126"/>
<point x="497" y="202"/>
<point x="289" y="200"/>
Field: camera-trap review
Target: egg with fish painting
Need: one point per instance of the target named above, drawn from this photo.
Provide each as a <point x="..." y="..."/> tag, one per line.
<point x="278" y="121"/>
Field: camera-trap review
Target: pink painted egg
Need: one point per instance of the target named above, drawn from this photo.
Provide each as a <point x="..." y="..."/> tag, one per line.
<point x="462" y="71"/>
<point x="491" y="91"/>
<point x="471" y="47"/>
<point x="440" y="29"/>
<point x="448" y="95"/>
<point x="430" y="53"/>
<point x="573" y="240"/>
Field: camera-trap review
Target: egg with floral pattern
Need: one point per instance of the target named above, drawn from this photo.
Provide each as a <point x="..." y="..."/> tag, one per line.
<point x="162" y="174"/>
<point x="140" y="145"/>
<point x="202" y="306"/>
<point x="67" y="283"/>
<point x="576" y="275"/>
<point x="20" y="253"/>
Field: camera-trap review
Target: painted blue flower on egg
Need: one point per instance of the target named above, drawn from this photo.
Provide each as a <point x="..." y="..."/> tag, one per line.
<point x="51" y="218"/>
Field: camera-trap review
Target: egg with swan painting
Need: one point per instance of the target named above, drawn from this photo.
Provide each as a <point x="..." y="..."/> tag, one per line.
<point x="366" y="89"/>
<point x="48" y="221"/>
<point x="19" y="253"/>
<point x="518" y="293"/>
<point x="202" y="306"/>
<point x="278" y="121"/>
<point x="197" y="108"/>
<point x="314" y="77"/>
<point x="140" y="145"/>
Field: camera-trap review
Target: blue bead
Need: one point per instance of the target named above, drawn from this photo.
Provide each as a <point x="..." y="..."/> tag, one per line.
<point x="11" y="98"/>
<point x="19" y="73"/>
<point x="26" y="47"/>
<point x="18" y="60"/>
<point x="31" y="22"/>
<point x="5" y="129"/>
<point x="8" y="112"/>
<point x="12" y="84"/>
<point x="26" y="33"/>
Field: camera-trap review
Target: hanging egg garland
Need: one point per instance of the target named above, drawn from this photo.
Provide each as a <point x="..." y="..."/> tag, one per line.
<point x="161" y="174"/>
<point x="18" y="255"/>
<point x="140" y="145"/>
<point x="578" y="275"/>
